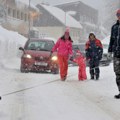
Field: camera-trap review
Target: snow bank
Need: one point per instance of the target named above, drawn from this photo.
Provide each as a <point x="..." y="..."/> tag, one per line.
<point x="9" y="43"/>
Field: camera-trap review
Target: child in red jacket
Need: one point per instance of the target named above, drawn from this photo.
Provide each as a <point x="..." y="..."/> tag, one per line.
<point x="81" y="61"/>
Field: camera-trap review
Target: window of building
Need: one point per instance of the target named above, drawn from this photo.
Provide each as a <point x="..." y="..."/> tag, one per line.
<point x="18" y="14"/>
<point x="14" y="13"/>
<point x="9" y="11"/>
<point x="22" y="16"/>
<point x="26" y="17"/>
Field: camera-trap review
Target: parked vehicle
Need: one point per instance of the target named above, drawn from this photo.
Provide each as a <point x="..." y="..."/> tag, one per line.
<point x="36" y="56"/>
<point x="81" y="47"/>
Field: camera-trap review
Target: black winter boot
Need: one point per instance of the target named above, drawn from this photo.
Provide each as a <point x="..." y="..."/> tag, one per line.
<point x="97" y="77"/>
<point x="117" y="96"/>
<point x="92" y="77"/>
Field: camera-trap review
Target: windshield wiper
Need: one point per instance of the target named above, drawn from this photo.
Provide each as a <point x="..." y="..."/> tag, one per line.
<point x="43" y="50"/>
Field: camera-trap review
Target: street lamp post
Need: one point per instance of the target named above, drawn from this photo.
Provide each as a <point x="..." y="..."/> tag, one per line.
<point x="29" y="20"/>
<point x="65" y="18"/>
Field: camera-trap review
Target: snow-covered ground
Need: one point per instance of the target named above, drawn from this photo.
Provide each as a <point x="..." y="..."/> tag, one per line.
<point x="42" y="96"/>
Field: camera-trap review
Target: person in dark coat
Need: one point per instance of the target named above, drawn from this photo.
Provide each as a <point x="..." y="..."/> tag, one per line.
<point x="114" y="47"/>
<point x="94" y="50"/>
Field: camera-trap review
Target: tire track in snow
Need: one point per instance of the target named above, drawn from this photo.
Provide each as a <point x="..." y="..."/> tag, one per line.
<point x="35" y="86"/>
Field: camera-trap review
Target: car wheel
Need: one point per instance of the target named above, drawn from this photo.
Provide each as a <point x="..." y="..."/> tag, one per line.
<point x="55" y="71"/>
<point x="22" y="70"/>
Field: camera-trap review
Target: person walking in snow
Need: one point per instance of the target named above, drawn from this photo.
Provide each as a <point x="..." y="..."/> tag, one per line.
<point x="64" y="50"/>
<point x="94" y="51"/>
<point x="114" y="47"/>
<point x="81" y="61"/>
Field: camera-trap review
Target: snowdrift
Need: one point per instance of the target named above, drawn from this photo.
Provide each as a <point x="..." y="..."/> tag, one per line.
<point x="9" y="45"/>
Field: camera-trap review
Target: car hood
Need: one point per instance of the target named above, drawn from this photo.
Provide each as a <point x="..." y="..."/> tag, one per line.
<point x="39" y="53"/>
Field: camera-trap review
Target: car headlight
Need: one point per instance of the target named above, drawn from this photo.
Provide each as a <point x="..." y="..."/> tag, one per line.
<point x="27" y="56"/>
<point x="54" y="58"/>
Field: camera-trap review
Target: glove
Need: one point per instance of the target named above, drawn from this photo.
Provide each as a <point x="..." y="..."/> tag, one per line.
<point x="109" y="55"/>
<point x="71" y="58"/>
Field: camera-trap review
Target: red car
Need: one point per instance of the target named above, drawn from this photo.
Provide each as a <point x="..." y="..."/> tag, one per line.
<point x="36" y="56"/>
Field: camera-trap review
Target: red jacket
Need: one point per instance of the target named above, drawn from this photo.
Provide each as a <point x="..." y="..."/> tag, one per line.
<point x="80" y="60"/>
<point x="94" y="49"/>
<point x="97" y="42"/>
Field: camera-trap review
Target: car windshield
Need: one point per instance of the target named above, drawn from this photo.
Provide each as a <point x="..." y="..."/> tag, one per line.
<point x="75" y="47"/>
<point x="39" y="45"/>
<point x="80" y="47"/>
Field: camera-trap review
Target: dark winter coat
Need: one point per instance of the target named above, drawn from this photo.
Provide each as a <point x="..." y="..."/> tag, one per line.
<point x="94" y="49"/>
<point x="114" y="45"/>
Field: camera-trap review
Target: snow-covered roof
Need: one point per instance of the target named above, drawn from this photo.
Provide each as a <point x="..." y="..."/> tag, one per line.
<point x="76" y="2"/>
<point x="61" y="15"/>
<point x="90" y="24"/>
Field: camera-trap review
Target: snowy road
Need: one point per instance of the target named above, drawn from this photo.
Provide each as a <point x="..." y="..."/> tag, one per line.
<point x="39" y="99"/>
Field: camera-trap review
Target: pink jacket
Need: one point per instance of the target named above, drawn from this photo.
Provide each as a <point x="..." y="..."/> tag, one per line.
<point x="80" y="60"/>
<point x="62" y="47"/>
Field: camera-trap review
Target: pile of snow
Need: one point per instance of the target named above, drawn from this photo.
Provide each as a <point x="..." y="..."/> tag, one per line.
<point x="9" y="45"/>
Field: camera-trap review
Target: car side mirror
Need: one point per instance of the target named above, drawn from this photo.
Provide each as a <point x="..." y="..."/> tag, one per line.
<point x="20" y="48"/>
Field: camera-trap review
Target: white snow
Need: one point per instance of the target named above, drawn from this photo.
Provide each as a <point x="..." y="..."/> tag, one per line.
<point x="42" y="96"/>
<point x="64" y="17"/>
<point x="106" y="40"/>
<point x="9" y="45"/>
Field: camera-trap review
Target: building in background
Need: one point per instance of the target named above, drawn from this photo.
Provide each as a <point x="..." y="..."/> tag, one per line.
<point x="18" y="16"/>
<point x="53" y="22"/>
<point x="84" y="14"/>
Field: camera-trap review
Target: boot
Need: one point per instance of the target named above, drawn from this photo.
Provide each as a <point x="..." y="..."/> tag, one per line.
<point x="117" y="96"/>
<point x="64" y="78"/>
<point x="97" y="77"/>
<point x="92" y="77"/>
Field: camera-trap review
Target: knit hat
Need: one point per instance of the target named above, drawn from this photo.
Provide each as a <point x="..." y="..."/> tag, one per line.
<point x="67" y="31"/>
<point x="78" y="53"/>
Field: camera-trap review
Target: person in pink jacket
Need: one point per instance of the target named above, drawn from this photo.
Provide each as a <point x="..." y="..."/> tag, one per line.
<point x="64" y="48"/>
<point x="81" y="61"/>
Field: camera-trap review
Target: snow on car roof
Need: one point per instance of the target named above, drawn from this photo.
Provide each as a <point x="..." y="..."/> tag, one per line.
<point x="60" y="15"/>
